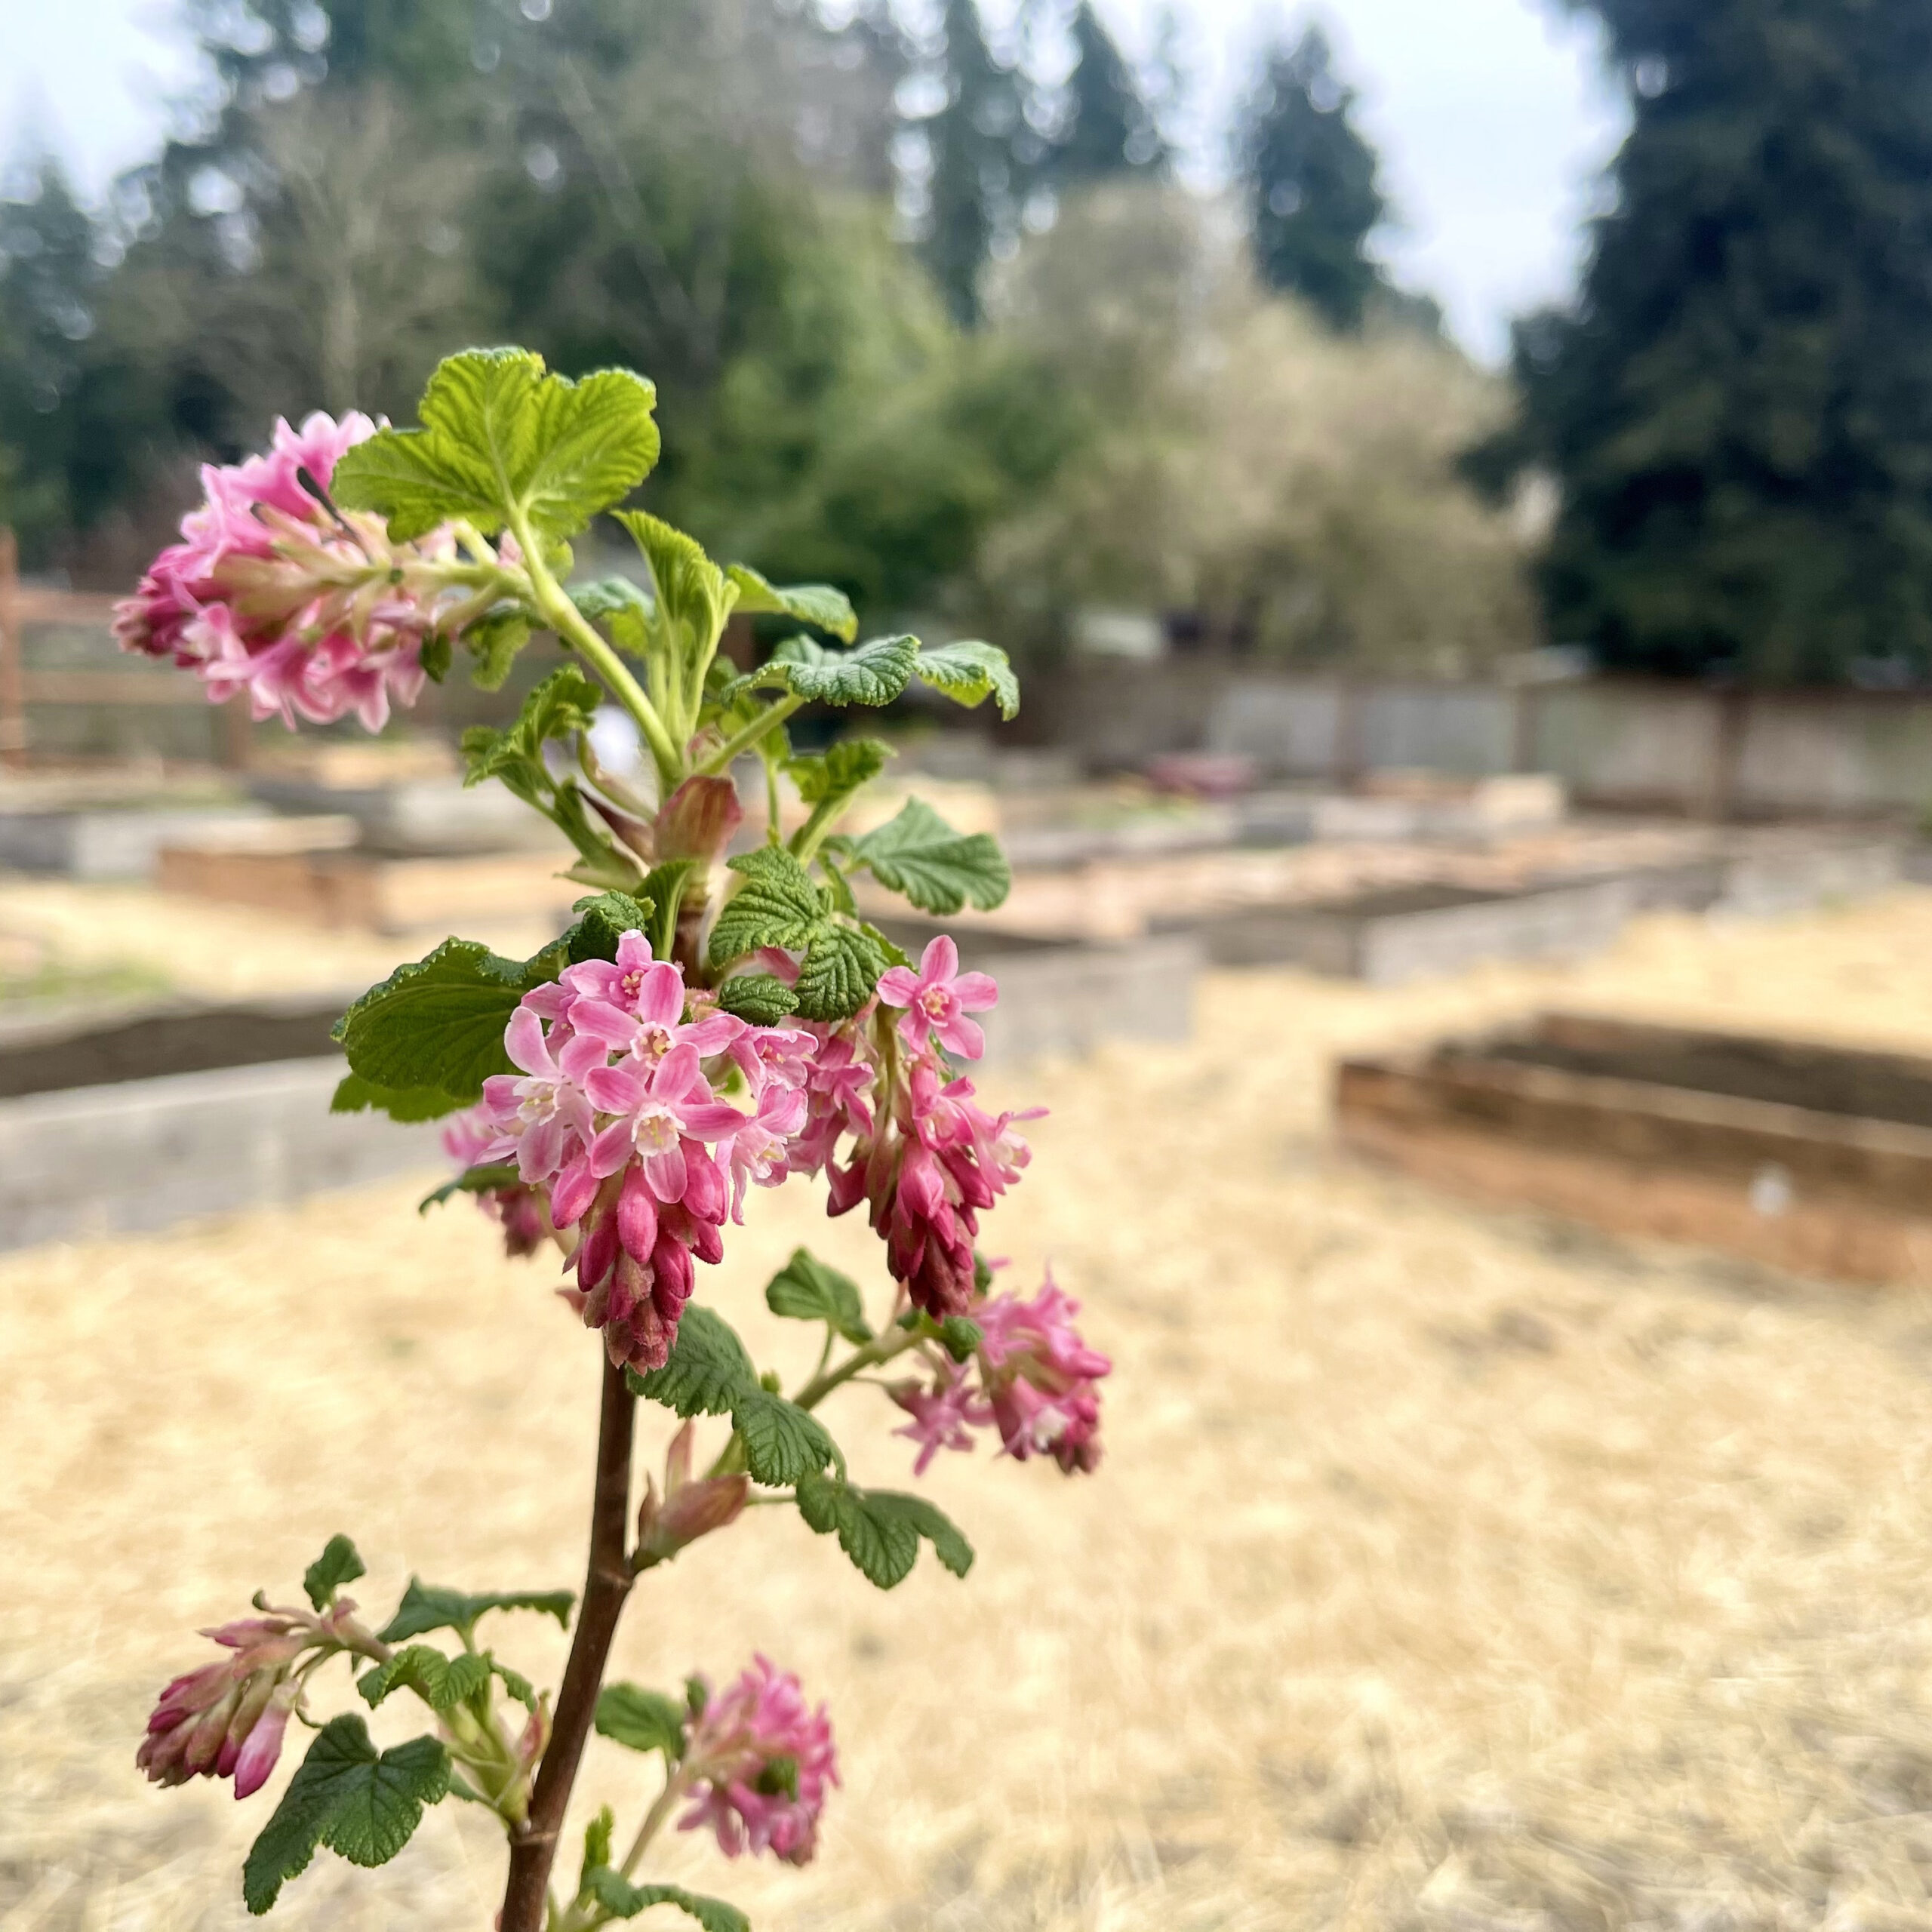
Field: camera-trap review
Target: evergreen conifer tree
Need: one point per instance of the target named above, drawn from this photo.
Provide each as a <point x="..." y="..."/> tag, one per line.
<point x="1310" y="184"/>
<point x="1106" y="125"/>
<point x="1738" y="406"/>
<point x="977" y="176"/>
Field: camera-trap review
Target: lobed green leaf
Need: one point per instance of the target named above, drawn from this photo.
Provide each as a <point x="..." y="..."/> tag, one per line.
<point x="840" y="969"/>
<point x="708" y="1369"/>
<point x="641" y="1720"/>
<point x="840" y="771"/>
<point x="346" y="1796"/>
<point x="354" y="1095"/>
<point x="503" y="438"/>
<point x="442" y="1682"/>
<point x="693" y="593"/>
<point x="625" y="611"/>
<point x="880" y="1530"/>
<point x="777" y="905"/>
<point x="918" y="854"/>
<point x="817" y="604"/>
<point x="622" y="1899"/>
<point x="969" y="672"/>
<point x="875" y="673"/>
<point x="806" y="1289"/>
<point x="339" y="1564"/>
<point x="762" y="998"/>
<point x="784" y="1443"/>
<point x="427" y="1607"/>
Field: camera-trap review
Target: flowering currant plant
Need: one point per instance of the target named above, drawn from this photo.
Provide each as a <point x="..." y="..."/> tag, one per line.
<point x="719" y="1018"/>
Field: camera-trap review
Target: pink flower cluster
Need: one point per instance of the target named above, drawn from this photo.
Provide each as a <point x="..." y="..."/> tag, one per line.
<point x="1031" y="1377"/>
<point x="924" y="1155"/>
<point x="614" y="1116"/>
<point x="623" y="1144"/>
<point x="313" y="612"/>
<point x="227" y="1719"/>
<point x="764" y="1762"/>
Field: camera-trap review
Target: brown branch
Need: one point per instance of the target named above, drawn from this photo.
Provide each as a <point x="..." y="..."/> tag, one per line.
<point x="533" y="1846"/>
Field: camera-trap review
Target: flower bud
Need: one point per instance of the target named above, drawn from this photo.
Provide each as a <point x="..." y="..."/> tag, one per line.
<point x="688" y="1509"/>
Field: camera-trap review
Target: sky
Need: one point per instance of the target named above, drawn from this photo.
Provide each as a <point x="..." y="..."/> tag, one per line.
<point x="1493" y="117"/>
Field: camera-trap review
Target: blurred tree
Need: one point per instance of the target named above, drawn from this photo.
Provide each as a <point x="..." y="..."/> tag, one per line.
<point x="1310" y="179"/>
<point x="1106" y="125"/>
<point x="48" y="279"/>
<point x="1738" y="407"/>
<point x="979" y="174"/>
<point x="1233" y="459"/>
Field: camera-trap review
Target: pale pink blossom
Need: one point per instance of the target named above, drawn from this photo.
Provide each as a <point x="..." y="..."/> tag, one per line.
<point x="938" y="999"/>
<point x="310" y="612"/>
<point x="944" y="1416"/>
<point x="1040" y="1378"/>
<point x="763" y="1763"/>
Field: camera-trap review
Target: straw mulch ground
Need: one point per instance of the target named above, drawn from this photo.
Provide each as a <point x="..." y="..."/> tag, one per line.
<point x="1447" y="1571"/>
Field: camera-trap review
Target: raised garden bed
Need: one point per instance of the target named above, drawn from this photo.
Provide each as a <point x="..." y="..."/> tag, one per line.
<point x="1401" y="933"/>
<point x="1060" y="997"/>
<point x="1811" y="1157"/>
<point x="112" y="842"/>
<point x="134" y="1120"/>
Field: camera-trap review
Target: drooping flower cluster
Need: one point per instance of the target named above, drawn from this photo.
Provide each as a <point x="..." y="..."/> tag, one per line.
<point x="763" y="1763"/>
<point x="614" y="1116"/>
<point x="1031" y="1377"/>
<point x="925" y="1156"/>
<point x="311" y="610"/>
<point x="227" y="1719"/>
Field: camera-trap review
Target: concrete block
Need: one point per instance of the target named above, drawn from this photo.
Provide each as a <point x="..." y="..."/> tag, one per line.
<point x="106" y="845"/>
<point x="1793" y="874"/>
<point x="137" y="1155"/>
<point x="424" y="815"/>
<point x="1059" y="998"/>
<point x="1418" y="932"/>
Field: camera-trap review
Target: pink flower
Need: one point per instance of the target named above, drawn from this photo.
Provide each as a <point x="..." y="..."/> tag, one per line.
<point x="761" y="1149"/>
<point x="313" y="613"/>
<point x="764" y="1763"/>
<point x="944" y="1416"/>
<point x="1040" y="1378"/>
<point x="613" y="1117"/>
<point x="938" y="998"/>
<point x="227" y="1719"/>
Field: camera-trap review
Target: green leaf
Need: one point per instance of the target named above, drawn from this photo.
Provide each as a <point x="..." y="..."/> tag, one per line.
<point x="939" y="870"/>
<point x="471" y="1181"/>
<point x="806" y="1289"/>
<point x="438" y="1023"/>
<point x="339" y="1564"/>
<point x="514" y="1682"/>
<point x="960" y="1337"/>
<point x="426" y="1606"/>
<point x="817" y="604"/>
<point x="596" y="1837"/>
<point x="707" y="1371"/>
<point x="442" y="1682"/>
<point x="840" y="969"/>
<point x="971" y="672"/>
<point x="501" y="438"/>
<point x="622" y="1899"/>
<point x="761" y="998"/>
<point x="692" y="591"/>
<point x="951" y="1548"/>
<point x="665" y="886"/>
<point x="604" y="920"/>
<point x="840" y="771"/>
<point x="883" y="1548"/>
<point x="354" y="1095"/>
<point x="345" y="1797"/>
<point x="494" y="640"/>
<point x="875" y="673"/>
<point x="880" y="1530"/>
<point x="620" y="606"/>
<point x="783" y="1442"/>
<point x="641" y="1720"/>
<point x="777" y="904"/>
